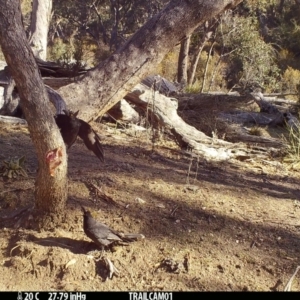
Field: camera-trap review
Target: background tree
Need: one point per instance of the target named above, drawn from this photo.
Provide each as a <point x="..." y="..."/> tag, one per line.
<point x="101" y="26"/>
<point x="252" y="60"/>
<point x="232" y="46"/>
<point x="202" y="37"/>
<point x="183" y="60"/>
<point x="39" y="26"/>
<point x="267" y="30"/>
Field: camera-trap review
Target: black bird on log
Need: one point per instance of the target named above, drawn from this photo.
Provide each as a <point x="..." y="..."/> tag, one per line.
<point x="102" y="235"/>
<point x="70" y="127"/>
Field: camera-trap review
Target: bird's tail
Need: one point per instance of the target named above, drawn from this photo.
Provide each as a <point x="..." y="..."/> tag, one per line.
<point x="98" y="149"/>
<point x="130" y="237"/>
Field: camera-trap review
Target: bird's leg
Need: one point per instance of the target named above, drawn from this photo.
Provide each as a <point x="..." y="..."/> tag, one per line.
<point x="102" y="251"/>
<point x="111" y="268"/>
<point x="97" y="254"/>
<point x="99" y="257"/>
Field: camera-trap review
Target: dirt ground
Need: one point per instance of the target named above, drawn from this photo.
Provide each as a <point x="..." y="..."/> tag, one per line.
<point x="208" y="226"/>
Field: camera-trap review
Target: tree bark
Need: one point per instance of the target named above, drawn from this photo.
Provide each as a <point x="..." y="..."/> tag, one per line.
<point x="39" y="27"/>
<point x="106" y="84"/>
<point x="183" y="61"/>
<point x="51" y="191"/>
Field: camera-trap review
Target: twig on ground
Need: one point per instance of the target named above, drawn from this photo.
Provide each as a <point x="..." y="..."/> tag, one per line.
<point x="103" y="195"/>
<point x="288" y="286"/>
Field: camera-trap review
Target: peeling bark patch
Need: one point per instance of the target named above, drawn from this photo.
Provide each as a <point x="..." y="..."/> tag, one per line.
<point x="53" y="159"/>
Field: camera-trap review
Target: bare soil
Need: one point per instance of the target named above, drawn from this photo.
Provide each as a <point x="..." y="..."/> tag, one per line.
<point x="227" y="226"/>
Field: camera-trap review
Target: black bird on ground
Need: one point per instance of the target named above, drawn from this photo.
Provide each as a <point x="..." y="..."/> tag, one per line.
<point x="102" y="235"/>
<point x="70" y="127"/>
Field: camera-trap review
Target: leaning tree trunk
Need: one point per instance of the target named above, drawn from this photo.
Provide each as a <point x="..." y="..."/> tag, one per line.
<point x="105" y="85"/>
<point x="51" y="191"/>
<point x="208" y="31"/>
<point x="195" y="61"/>
<point x="206" y="67"/>
<point x="39" y="26"/>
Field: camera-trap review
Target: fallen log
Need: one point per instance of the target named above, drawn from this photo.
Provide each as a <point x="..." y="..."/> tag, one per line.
<point x="163" y="111"/>
<point x="123" y="112"/>
<point x="264" y="105"/>
<point x="281" y="115"/>
<point x="11" y="100"/>
<point x="12" y="120"/>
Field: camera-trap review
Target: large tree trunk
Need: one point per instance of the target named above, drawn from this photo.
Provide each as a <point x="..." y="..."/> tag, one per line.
<point x="51" y="191"/>
<point x="39" y="26"/>
<point x="104" y="86"/>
